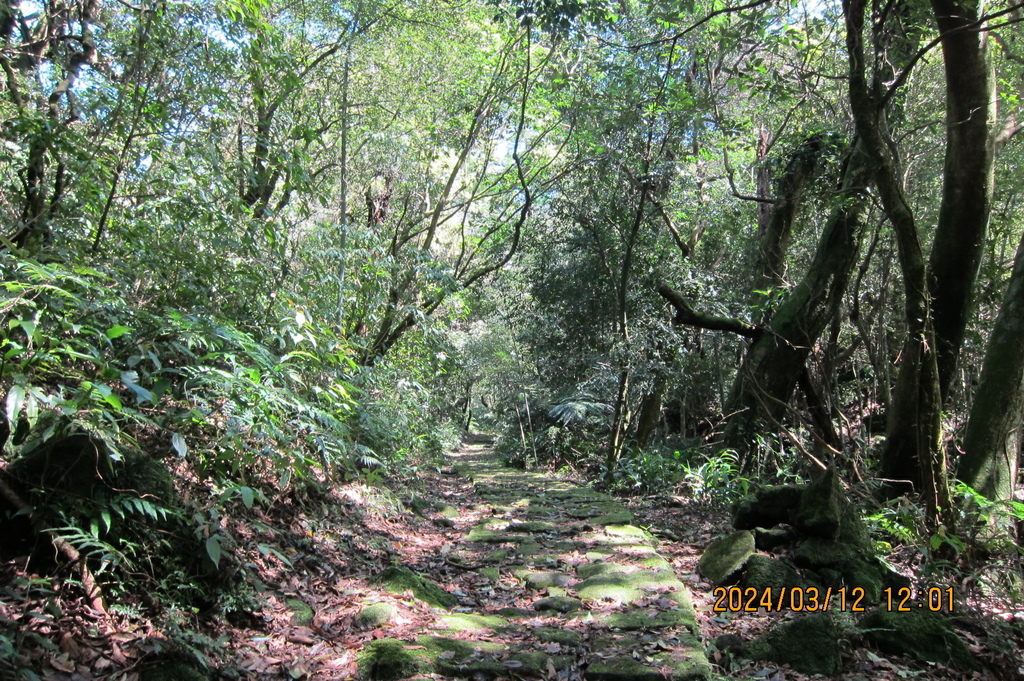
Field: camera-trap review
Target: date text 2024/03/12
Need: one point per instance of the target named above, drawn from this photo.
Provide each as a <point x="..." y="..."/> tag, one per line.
<point x="813" y="599"/>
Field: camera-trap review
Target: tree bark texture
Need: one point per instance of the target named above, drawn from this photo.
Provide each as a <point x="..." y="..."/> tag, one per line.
<point x="993" y="439"/>
<point x="968" y="179"/>
<point x="775" y="359"/>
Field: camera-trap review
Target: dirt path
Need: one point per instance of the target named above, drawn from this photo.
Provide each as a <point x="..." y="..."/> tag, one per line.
<point x="600" y="602"/>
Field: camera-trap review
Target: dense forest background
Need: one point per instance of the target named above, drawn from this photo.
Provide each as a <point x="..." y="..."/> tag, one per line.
<point x="672" y="247"/>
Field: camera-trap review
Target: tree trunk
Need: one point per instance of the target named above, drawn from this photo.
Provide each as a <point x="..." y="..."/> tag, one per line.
<point x="912" y="443"/>
<point x="775" y="360"/>
<point x="993" y="439"/>
<point x="968" y="176"/>
<point x="936" y="328"/>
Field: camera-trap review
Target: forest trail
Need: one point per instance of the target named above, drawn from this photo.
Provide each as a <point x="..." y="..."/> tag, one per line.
<point x="600" y="603"/>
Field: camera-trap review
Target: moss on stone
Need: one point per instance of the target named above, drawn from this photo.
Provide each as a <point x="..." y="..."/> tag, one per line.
<point x="620" y="517"/>
<point x="376" y="614"/>
<point x="477" y="624"/>
<point x="923" y="635"/>
<point x="769" y="507"/>
<point x="557" y="604"/>
<point x="598" y="568"/>
<point x="302" y="614"/>
<point x="491" y="574"/>
<point x="565" y="637"/>
<point x="809" y="644"/>
<point x="532" y="526"/>
<point x="543" y="580"/>
<point x="724" y="558"/>
<point x="386" y="660"/>
<point x="626" y="532"/>
<point x="178" y="668"/>
<point x="649" y="618"/>
<point x="485" y="536"/>
<point x="400" y="579"/>
<point x="684" y="662"/>
<point x="622" y="587"/>
<point x="514" y="613"/>
<point x="449" y="512"/>
<point x="498" y="556"/>
<point x="762" y="572"/>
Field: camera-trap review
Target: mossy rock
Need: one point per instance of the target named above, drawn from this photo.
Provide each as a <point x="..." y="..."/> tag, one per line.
<point x="514" y="613"/>
<point x="622" y="517"/>
<point x="495" y="557"/>
<point x="387" y="660"/>
<point x="622" y="587"/>
<point x="630" y="532"/>
<point x="808" y="644"/>
<point x="449" y="512"/>
<point x="543" y="580"/>
<point x="635" y="619"/>
<point x="376" y="614"/>
<point x="476" y="624"/>
<point x="762" y="572"/>
<point x="421" y="506"/>
<point x="920" y="634"/>
<point x="491" y="574"/>
<point x="565" y="637"/>
<point x="822" y="507"/>
<point x="855" y="569"/>
<point x="400" y="579"/>
<point x="532" y="527"/>
<point x="557" y="604"/>
<point x="176" y="668"/>
<point x="771" y="539"/>
<point x="599" y="568"/>
<point x="302" y="614"/>
<point x="685" y="662"/>
<point x="769" y="507"/>
<point x="486" y="536"/>
<point x="723" y="559"/>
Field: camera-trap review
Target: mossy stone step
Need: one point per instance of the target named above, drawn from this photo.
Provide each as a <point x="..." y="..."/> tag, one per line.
<point x="648" y="631"/>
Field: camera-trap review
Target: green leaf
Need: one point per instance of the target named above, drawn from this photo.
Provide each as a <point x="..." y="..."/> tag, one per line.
<point x="130" y="380"/>
<point x="116" y="331"/>
<point x="178" y="442"/>
<point x="247" y="496"/>
<point x="15" y="400"/>
<point x="213" y="549"/>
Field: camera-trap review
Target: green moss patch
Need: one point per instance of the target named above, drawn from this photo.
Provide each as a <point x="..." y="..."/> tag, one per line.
<point x="533" y="527"/>
<point x="399" y="580"/>
<point x="920" y="634"/>
<point x="683" y="661"/>
<point x="564" y="637"/>
<point x="808" y="644"/>
<point x="626" y="587"/>
<point x="302" y="614"/>
<point x="557" y="604"/>
<point x="649" y="618"/>
<point x="599" y="568"/>
<point x="386" y="660"/>
<point x="622" y="517"/>
<point x="491" y="574"/>
<point x="724" y="558"/>
<point x="477" y="624"/>
<point x="626" y="532"/>
<point x="543" y="580"/>
<point x="376" y="614"/>
<point x="486" y="536"/>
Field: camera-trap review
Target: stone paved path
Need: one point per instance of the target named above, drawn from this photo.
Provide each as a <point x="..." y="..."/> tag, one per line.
<point x="603" y="605"/>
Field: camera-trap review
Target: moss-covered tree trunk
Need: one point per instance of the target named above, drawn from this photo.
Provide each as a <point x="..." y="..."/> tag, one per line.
<point x="993" y="438"/>
<point x="775" y="359"/>
<point x="939" y="300"/>
<point x="914" y="423"/>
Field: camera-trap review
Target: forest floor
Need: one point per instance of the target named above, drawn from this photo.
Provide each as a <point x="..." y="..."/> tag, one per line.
<point x="511" y="549"/>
